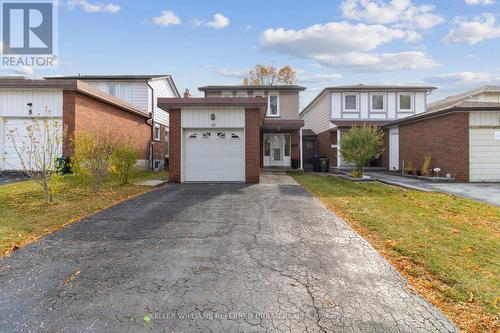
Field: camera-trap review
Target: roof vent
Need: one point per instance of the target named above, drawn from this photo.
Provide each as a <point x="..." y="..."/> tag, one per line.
<point x="187" y="94"/>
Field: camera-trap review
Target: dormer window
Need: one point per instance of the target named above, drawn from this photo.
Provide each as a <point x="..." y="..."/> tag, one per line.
<point x="273" y="106"/>
<point x="351" y="102"/>
<point x="377" y="102"/>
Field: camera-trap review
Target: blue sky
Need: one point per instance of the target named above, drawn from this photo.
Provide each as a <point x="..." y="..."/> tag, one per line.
<point x="451" y="44"/>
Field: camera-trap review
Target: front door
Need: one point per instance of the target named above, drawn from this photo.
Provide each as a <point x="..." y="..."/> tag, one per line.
<point x="276" y="150"/>
<point x="309" y="151"/>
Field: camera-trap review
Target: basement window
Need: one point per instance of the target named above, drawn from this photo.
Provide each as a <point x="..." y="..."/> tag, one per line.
<point x="156" y="165"/>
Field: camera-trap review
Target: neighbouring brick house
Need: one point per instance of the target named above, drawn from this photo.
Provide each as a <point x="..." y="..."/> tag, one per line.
<point x="142" y="92"/>
<point x="77" y="105"/>
<point x="463" y="140"/>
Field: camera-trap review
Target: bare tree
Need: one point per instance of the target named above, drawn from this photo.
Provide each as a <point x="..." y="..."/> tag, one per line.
<point x="39" y="149"/>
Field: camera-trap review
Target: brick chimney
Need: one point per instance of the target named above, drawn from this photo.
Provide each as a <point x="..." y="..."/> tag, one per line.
<point x="187" y="94"/>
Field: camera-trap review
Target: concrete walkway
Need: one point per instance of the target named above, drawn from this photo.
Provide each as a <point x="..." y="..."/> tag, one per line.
<point x="485" y="192"/>
<point x="210" y="258"/>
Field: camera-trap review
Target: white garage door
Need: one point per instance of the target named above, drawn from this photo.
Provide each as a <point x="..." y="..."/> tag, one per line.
<point x="214" y="155"/>
<point x="484" y="154"/>
<point x="18" y="128"/>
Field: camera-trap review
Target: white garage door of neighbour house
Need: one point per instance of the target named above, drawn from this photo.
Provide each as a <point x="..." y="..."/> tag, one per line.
<point x="18" y="128"/>
<point x="484" y="150"/>
<point x="214" y="155"/>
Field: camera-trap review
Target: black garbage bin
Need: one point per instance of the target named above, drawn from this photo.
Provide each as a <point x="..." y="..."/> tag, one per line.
<point x="324" y="164"/>
<point x="316" y="167"/>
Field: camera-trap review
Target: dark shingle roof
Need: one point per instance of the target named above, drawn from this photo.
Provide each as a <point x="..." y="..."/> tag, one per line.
<point x="277" y="87"/>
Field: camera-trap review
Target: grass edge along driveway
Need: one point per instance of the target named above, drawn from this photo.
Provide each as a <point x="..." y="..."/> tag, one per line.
<point x="26" y="217"/>
<point x="447" y="247"/>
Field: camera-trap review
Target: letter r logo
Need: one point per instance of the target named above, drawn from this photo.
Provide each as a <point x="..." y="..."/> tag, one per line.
<point x="27" y="27"/>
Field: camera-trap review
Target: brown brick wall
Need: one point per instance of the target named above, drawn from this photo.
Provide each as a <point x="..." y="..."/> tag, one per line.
<point x="175" y="145"/>
<point x="324" y="142"/>
<point x="252" y="145"/>
<point x="445" y="137"/>
<point x="159" y="146"/>
<point x="68" y="121"/>
<point x="82" y="113"/>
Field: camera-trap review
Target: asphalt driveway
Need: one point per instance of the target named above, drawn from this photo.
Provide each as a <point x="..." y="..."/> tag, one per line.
<point x="210" y="258"/>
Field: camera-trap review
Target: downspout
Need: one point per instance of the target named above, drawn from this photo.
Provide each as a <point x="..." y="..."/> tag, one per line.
<point x="301" y="153"/>
<point x="152" y="141"/>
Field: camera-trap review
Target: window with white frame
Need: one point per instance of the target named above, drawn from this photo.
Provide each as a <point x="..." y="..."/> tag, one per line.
<point x="227" y="93"/>
<point x="351" y="102"/>
<point x="405" y="102"/>
<point x="157" y="132"/>
<point x="378" y="102"/>
<point x="112" y="89"/>
<point x="273" y="106"/>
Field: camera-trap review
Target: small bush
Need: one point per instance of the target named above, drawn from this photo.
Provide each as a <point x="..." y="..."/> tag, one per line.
<point x="410" y="168"/>
<point x="123" y="161"/>
<point x="92" y="157"/>
<point x="427" y="165"/>
<point x="360" y="145"/>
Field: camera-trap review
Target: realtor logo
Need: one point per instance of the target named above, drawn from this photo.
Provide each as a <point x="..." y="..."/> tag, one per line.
<point x="28" y="28"/>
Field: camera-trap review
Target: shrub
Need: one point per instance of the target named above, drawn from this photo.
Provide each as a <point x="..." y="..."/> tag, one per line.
<point x="38" y="152"/>
<point x="360" y="145"/>
<point x="427" y="165"/>
<point x="123" y="161"/>
<point x="410" y="168"/>
<point x="92" y="157"/>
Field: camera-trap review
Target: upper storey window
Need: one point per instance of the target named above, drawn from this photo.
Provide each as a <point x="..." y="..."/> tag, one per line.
<point x="377" y="102"/>
<point x="112" y="89"/>
<point x="405" y="102"/>
<point x="273" y="106"/>
<point x="351" y="102"/>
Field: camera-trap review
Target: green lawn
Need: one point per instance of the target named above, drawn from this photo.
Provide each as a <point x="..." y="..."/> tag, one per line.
<point x="26" y="217"/>
<point x="448" y="247"/>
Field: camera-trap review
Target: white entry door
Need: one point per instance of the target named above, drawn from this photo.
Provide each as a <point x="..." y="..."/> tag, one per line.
<point x="214" y="155"/>
<point x="394" y="148"/>
<point x="276" y="150"/>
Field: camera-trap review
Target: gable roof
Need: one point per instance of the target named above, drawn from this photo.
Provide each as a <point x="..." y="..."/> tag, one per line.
<point x="119" y="77"/>
<point x="450" y="100"/>
<point x="108" y="77"/>
<point x="464" y="106"/>
<point x="241" y="87"/>
<point x="368" y="87"/>
<point x="73" y="85"/>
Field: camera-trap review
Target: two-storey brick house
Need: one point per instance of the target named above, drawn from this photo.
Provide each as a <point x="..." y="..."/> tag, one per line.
<point x="232" y="132"/>
<point x="280" y="131"/>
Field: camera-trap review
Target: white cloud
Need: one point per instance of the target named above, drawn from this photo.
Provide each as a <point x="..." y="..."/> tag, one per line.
<point x="97" y="7"/>
<point x="219" y="22"/>
<point x="24" y="70"/>
<point x="305" y="77"/>
<point x="480" y="2"/>
<point x="461" y="78"/>
<point x="401" y="13"/>
<point x="481" y="28"/>
<point x="166" y="18"/>
<point x="236" y="73"/>
<point x="342" y="44"/>
<point x="413" y="36"/>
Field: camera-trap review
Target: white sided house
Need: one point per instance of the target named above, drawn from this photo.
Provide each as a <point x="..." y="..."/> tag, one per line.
<point x="336" y="109"/>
